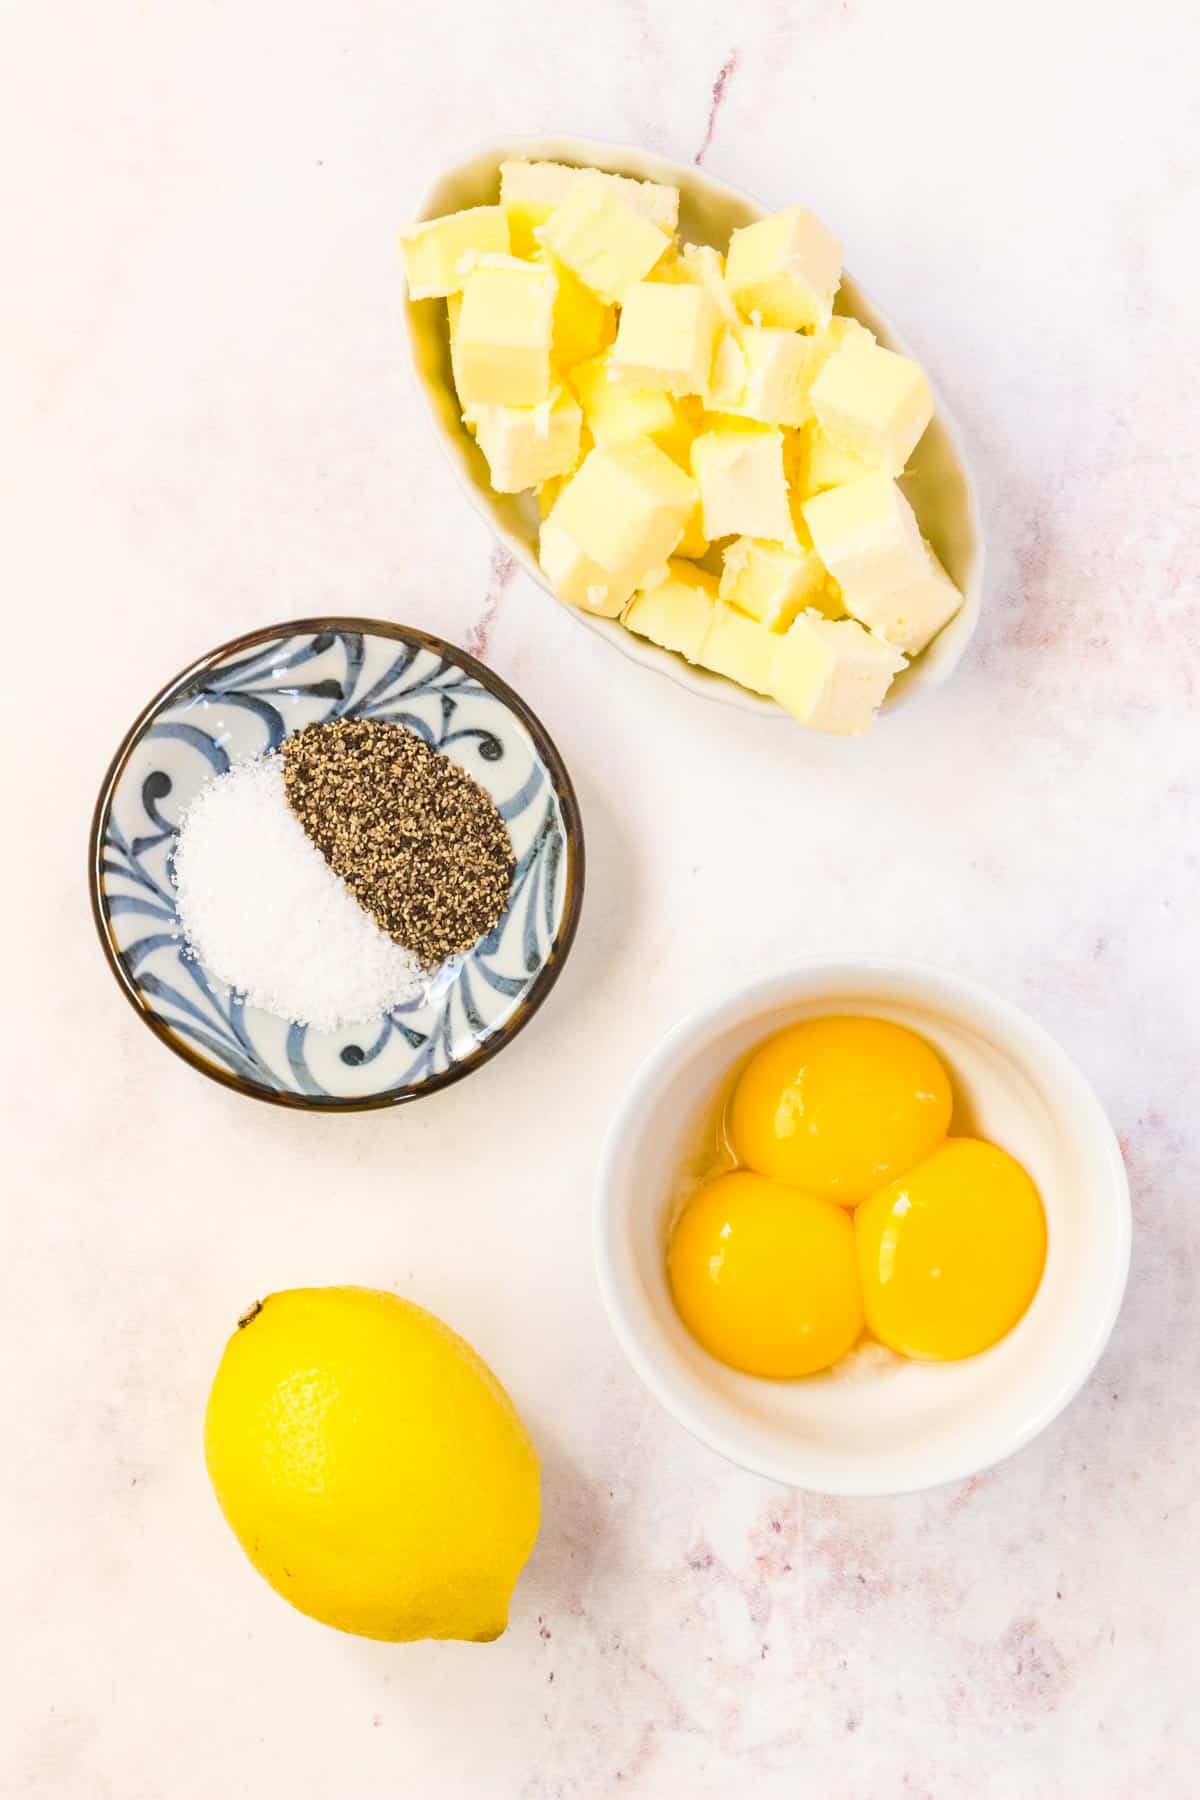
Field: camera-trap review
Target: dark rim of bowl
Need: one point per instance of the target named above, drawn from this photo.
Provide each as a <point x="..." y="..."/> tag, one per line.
<point x="574" y="865"/>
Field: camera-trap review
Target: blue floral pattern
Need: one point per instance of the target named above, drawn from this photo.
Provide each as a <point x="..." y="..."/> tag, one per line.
<point x="249" y="703"/>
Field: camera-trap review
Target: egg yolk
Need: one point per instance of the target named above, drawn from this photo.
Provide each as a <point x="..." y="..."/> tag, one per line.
<point x="951" y="1254"/>
<point x="839" y="1106"/>
<point x="765" y="1277"/>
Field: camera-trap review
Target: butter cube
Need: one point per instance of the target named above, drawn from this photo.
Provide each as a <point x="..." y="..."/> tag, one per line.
<point x="739" y="648"/>
<point x="778" y="370"/>
<point x="453" y="309"/>
<point x="675" y="613"/>
<point x="784" y="270"/>
<point x="703" y="266"/>
<point x="439" y="254"/>
<point x="740" y="469"/>
<point x="624" y="511"/>
<point x="530" y="191"/>
<point x="548" y="493"/>
<point x="575" y="577"/>
<point x="584" y="325"/>
<point x="693" y="542"/>
<point x="772" y="584"/>
<point x="867" y="535"/>
<point x="525" y="445"/>
<point x="910" y="616"/>
<point x="818" y="463"/>
<point x="666" y="337"/>
<point x="602" y="239"/>
<point x="504" y="335"/>
<point x="831" y="675"/>
<point x="614" y="409"/>
<point x="841" y="329"/>
<point x="873" y="403"/>
<point x="727" y="379"/>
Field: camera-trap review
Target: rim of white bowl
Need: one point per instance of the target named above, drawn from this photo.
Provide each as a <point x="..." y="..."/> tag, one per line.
<point x="935" y="664"/>
<point x="958" y="994"/>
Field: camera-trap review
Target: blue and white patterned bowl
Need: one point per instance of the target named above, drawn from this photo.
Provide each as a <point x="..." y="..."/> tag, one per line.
<point x="246" y="698"/>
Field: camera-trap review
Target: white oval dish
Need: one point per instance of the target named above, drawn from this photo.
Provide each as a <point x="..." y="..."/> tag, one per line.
<point x="907" y="1425"/>
<point x="938" y="481"/>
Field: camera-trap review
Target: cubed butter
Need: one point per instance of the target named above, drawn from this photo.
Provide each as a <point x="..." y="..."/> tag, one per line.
<point x="675" y="613"/>
<point x="439" y="254"/>
<point x="616" y="410"/>
<point x="453" y="309"/>
<point x="584" y="325"/>
<point x="773" y="584"/>
<point x="703" y="266"/>
<point x="666" y="337"/>
<point x="873" y="403"/>
<point x="727" y="379"/>
<point x="693" y="542"/>
<point x="624" y="510"/>
<point x="602" y="239"/>
<point x="867" y="535"/>
<point x="777" y="370"/>
<point x="784" y="270"/>
<point x="504" y="336"/>
<point x="575" y="577"/>
<point x="743" y="486"/>
<point x="817" y="463"/>
<point x="530" y="191"/>
<point x="910" y="616"/>
<point x="738" y="647"/>
<point x="526" y="445"/>
<point x="831" y="675"/>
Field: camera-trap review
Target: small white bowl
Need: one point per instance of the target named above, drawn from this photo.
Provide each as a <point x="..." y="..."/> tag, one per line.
<point x="938" y="481"/>
<point x="906" y="1425"/>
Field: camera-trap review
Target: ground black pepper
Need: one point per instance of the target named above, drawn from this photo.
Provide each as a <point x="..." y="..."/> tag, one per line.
<point x="419" y="843"/>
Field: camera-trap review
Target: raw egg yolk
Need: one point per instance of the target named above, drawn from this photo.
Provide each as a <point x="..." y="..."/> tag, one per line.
<point x="839" y="1106"/>
<point x="952" y="1253"/>
<point x="764" y="1277"/>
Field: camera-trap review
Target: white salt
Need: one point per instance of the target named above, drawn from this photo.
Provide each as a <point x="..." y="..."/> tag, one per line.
<point x="262" y="909"/>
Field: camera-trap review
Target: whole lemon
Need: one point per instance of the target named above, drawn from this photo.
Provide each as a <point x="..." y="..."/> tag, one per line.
<point x="371" y="1466"/>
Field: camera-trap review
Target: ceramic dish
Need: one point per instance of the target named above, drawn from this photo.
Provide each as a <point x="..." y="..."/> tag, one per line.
<point x="247" y="697"/>
<point x="938" y="481"/>
<point x="907" y="1425"/>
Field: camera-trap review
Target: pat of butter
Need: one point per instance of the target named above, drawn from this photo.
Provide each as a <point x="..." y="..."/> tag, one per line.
<point x="777" y="368"/>
<point x="666" y="337"/>
<point x="910" y="616"/>
<point x="675" y="613"/>
<point x="740" y="468"/>
<point x="624" y="511"/>
<point x="867" y="535"/>
<point x="438" y="254"/>
<point x="727" y="380"/>
<point x="584" y="325"/>
<point x="694" y="542"/>
<point x="704" y="266"/>
<point x="831" y="675"/>
<point x="530" y="191"/>
<point x="603" y="240"/>
<point x="818" y="463"/>
<point x="575" y="577"/>
<point x="772" y="584"/>
<point x="738" y="647"/>
<point x="526" y="445"/>
<point x="616" y="410"/>
<point x="873" y="403"/>
<point x="453" y="309"/>
<point x="504" y="335"/>
<point x="785" y="269"/>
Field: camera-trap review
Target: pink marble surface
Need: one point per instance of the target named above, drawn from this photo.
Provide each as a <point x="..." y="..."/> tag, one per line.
<point x="208" y="426"/>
